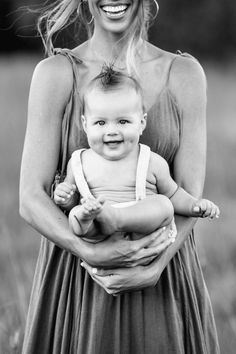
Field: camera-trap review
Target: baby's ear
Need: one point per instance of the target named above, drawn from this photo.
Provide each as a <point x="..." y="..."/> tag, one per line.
<point x="84" y="123"/>
<point x="143" y="122"/>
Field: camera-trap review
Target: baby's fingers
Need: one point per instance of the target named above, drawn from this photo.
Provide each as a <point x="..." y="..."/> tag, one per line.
<point x="61" y="195"/>
<point x="59" y="199"/>
<point x="67" y="188"/>
<point x="215" y="212"/>
<point x="202" y="208"/>
<point x="209" y="209"/>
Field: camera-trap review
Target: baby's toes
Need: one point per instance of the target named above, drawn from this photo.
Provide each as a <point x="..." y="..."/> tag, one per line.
<point x="97" y="208"/>
<point x="87" y="207"/>
<point x="93" y="206"/>
<point x="101" y="200"/>
<point x="86" y="210"/>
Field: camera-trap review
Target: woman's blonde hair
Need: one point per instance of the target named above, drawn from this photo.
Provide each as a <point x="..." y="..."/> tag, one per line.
<point x="62" y="13"/>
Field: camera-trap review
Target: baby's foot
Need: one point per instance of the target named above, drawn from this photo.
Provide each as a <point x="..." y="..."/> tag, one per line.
<point x="108" y="219"/>
<point x="82" y="216"/>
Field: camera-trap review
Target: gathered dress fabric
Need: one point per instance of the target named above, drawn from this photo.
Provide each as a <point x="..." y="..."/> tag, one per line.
<point x="70" y="314"/>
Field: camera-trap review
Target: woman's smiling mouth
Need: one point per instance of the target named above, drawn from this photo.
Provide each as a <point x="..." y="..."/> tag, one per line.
<point x="114" y="11"/>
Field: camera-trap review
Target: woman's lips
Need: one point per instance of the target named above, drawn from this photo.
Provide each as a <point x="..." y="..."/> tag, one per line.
<point x="114" y="11"/>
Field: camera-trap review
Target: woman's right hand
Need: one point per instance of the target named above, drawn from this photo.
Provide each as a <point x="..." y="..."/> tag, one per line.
<point x="121" y="253"/>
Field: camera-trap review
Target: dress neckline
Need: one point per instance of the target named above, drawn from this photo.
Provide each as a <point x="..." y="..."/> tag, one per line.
<point x="164" y="90"/>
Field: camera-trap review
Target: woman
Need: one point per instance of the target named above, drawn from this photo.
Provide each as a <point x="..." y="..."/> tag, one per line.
<point x="161" y="306"/>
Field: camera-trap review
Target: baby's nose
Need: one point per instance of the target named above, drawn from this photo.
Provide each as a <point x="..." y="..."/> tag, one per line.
<point x="112" y="130"/>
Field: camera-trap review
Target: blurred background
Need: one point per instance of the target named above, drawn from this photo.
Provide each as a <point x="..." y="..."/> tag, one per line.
<point x="204" y="28"/>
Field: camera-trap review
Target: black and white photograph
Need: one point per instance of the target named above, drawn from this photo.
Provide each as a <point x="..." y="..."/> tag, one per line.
<point x="118" y="177"/>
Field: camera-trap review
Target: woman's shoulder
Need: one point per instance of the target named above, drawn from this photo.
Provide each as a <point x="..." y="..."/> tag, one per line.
<point x="185" y="76"/>
<point x="185" y="67"/>
<point x="187" y="80"/>
<point x="51" y="72"/>
<point x="179" y="64"/>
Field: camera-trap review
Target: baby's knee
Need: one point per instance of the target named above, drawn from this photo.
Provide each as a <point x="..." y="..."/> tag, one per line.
<point x="74" y="220"/>
<point x="167" y="208"/>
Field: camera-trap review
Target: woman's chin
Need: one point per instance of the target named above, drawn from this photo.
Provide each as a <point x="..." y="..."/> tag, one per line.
<point x="115" y="28"/>
<point x="112" y="24"/>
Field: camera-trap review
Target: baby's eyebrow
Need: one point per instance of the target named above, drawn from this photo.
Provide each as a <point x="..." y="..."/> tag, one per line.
<point x="124" y="117"/>
<point x="97" y="118"/>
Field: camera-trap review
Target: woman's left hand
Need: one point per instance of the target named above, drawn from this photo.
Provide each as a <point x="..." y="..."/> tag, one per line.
<point x="119" y="280"/>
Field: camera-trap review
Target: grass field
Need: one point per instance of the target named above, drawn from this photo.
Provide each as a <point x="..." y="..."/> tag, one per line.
<point x="216" y="240"/>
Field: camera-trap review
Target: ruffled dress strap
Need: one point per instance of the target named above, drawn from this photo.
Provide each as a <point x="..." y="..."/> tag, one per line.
<point x="77" y="170"/>
<point x="66" y="122"/>
<point x="176" y="56"/>
<point x="141" y="174"/>
<point x="74" y="61"/>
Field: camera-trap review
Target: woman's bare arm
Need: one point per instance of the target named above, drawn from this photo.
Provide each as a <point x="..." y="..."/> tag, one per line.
<point x="50" y="89"/>
<point x="188" y="84"/>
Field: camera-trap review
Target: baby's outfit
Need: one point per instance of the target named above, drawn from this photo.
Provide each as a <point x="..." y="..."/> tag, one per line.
<point x="133" y="193"/>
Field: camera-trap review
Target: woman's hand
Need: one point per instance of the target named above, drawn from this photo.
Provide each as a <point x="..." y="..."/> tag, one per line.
<point x="125" y="253"/>
<point x="120" y="280"/>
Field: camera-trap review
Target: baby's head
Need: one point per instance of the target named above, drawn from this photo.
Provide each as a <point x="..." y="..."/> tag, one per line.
<point x="113" y="114"/>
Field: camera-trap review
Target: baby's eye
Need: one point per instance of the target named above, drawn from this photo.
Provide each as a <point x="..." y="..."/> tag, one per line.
<point x="100" y="122"/>
<point x="123" y="121"/>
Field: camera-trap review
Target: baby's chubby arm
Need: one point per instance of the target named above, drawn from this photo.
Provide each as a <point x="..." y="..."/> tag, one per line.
<point x="183" y="202"/>
<point x="65" y="193"/>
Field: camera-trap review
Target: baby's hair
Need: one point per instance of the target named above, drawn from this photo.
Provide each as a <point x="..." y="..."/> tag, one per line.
<point x="110" y="79"/>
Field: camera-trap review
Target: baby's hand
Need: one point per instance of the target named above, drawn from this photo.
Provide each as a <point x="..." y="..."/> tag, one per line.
<point x="63" y="193"/>
<point x="205" y="208"/>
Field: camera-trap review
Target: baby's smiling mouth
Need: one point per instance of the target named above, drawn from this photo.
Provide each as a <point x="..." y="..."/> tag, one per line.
<point x="113" y="142"/>
<point x="115" y="11"/>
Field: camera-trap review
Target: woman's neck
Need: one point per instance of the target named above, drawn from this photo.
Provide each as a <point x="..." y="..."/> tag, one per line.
<point x="108" y="48"/>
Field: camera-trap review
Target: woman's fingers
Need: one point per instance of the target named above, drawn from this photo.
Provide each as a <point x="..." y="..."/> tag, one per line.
<point x="124" y="252"/>
<point x="119" y="280"/>
<point x="149" y="240"/>
<point x="89" y="268"/>
<point x="105" y="278"/>
<point x="144" y="250"/>
<point x="97" y="271"/>
<point x="157" y="250"/>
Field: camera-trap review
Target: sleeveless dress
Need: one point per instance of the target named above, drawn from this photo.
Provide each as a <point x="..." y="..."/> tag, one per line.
<point x="70" y="314"/>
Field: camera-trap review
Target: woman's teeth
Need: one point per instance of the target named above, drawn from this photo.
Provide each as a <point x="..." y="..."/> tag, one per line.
<point x="115" y="11"/>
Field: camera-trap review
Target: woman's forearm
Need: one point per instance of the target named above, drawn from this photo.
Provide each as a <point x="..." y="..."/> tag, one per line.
<point x="184" y="226"/>
<point x="44" y="216"/>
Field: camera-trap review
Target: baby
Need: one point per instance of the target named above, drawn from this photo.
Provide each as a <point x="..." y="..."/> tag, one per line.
<point x="123" y="186"/>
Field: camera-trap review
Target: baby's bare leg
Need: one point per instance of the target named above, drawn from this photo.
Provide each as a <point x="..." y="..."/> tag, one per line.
<point x="147" y="215"/>
<point x="144" y="217"/>
<point x="81" y="217"/>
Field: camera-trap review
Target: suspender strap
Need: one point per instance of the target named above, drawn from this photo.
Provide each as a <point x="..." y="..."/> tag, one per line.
<point x="142" y="168"/>
<point x="141" y="173"/>
<point x="76" y="165"/>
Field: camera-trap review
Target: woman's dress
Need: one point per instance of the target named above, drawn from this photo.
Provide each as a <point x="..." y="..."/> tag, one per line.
<point x="70" y="314"/>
